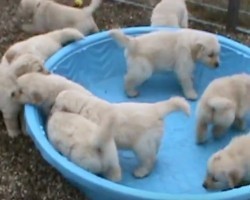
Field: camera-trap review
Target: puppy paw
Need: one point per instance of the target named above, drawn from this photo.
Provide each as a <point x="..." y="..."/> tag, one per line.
<point x="140" y="172"/>
<point x="201" y="141"/>
<point x="114" y="174"/>
<point x="191" y="95"/>
<point x="13" y="133"/>
<point x="132" y="93"/>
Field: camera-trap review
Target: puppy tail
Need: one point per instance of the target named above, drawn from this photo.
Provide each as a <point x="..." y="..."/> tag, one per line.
<point x="66" y="35"/>
<point x="122" y="39"/>
<point x="171" y="105"/>
<point x="220" y="103"/>
<point x="106" y="130"/>
<point x="93" y="6"/>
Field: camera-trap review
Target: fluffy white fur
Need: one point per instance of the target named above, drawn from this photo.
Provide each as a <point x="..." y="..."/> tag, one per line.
<point x="87" y="144"/>
<point x="41" y="46"/>
<point x="48" y="15"/>
<point x="8" y="85"/>
<point x="138" y="127"/>
<point x="42" y="90"/>
<point x="170" y="13"/>
<point x="229" y="167"/>
<point x="224" y="102"/>
<point x="167" y="50"/>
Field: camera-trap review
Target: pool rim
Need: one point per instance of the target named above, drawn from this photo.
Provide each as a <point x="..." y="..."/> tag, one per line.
<point x="68" y="168"/>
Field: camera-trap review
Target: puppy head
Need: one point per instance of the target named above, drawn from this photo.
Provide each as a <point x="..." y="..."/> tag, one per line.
<point x="29" y="91"/>
<point x="207" y="50"/>
<point x="28" y="63"/>
<point x="27" y="8"/>
<point x="223" y="172"/>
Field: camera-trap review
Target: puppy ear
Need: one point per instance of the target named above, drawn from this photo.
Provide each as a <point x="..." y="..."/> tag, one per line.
<point x="36" y="97"/>
<point x="233" y="179"/>
<point x="10" y="55"/>
<point x="196" y="49"/>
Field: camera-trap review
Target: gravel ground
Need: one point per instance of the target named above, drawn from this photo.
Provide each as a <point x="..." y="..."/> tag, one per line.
<point x="24" y="174"/>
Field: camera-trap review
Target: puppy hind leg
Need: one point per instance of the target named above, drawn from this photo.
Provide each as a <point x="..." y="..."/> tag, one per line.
<point x="146" y="153"/>
<point x="135" y="77"/>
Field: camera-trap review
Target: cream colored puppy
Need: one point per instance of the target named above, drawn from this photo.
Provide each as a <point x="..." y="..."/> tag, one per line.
<point x="48" y="15"/>
<point x="229" y="167"/>
<point x="42" y="46"/>
<point x="170" y="13"/>
<point x="224" y="102"/>
<point x="8" y="85"/>
<point x="27" y="63"/>
<point x="41" y="89"/>
<point x="138" y="127"/>
<point x="167" y="50"/>
<point x="85" y="143"/>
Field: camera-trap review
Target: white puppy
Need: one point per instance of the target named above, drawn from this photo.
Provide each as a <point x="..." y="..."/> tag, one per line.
<point x="224" y="102"/>
<point x="167" y="50"/>
<point x="8" y="84"/>
<point x="229" y="167"/>
<point x="48" y="15"/>
<point x="87" y="144"/>
<point x="42" y="46"/>
<point x="138" y="127"/>
<point x="170" y="13"/>
<point x="42" y="90"/>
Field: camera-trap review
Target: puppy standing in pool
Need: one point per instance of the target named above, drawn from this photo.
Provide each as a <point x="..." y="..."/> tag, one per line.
<point x="224" y="102"/>
<point x="170" y="13"/>
<point x="48" y="15"/>
<point x="85" y="143"/>
<point x="163" y="50"/>
<point x="229" y="167"/>
<point x="138" y="127"/>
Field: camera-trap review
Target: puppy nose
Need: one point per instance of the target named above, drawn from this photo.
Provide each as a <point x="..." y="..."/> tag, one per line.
<point x="216" y="64"/>
<point x="204" y="185"/>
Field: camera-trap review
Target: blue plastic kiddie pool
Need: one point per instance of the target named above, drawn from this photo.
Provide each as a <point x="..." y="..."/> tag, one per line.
<point x="98" y="63"/>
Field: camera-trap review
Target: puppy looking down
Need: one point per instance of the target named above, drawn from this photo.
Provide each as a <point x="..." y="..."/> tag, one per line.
<point x="41" y="46"/>
<point x="170" y="13"/>
<point x="42" y="90"/>
<point x="224" y="102"/>
<point x="229" y="167"/>
<point x="85" y="143"/>
<point x="138" y="126"/>
<point x="8" y="85"/>
<point x="167" y="50"/>
<point x="48" y="15"/>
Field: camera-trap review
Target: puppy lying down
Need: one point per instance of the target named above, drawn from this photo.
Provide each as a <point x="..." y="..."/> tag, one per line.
<point x="48" y="15"/>
<point x="85" y="143"/>
<point x="170" y="13"/>
<point x="224" y="102"/>
<point x="138" y="126"/>
<point x="42" y="90"/>
<point x="229" y="167"/>
<point x="41" y="46"/>
<point x="8" y="84"/>
<point x="167" y="51"/>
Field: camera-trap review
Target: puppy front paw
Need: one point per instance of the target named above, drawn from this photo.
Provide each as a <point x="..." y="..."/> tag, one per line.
<point x="141" y="172"/>
<point x="132" y="93"/>
<point x="191" y="95"/>
<point x="239" y="124"/>
<point x="13" y="133"/>
<point x="201" y="139"/>
<point x="114" y="174"/>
